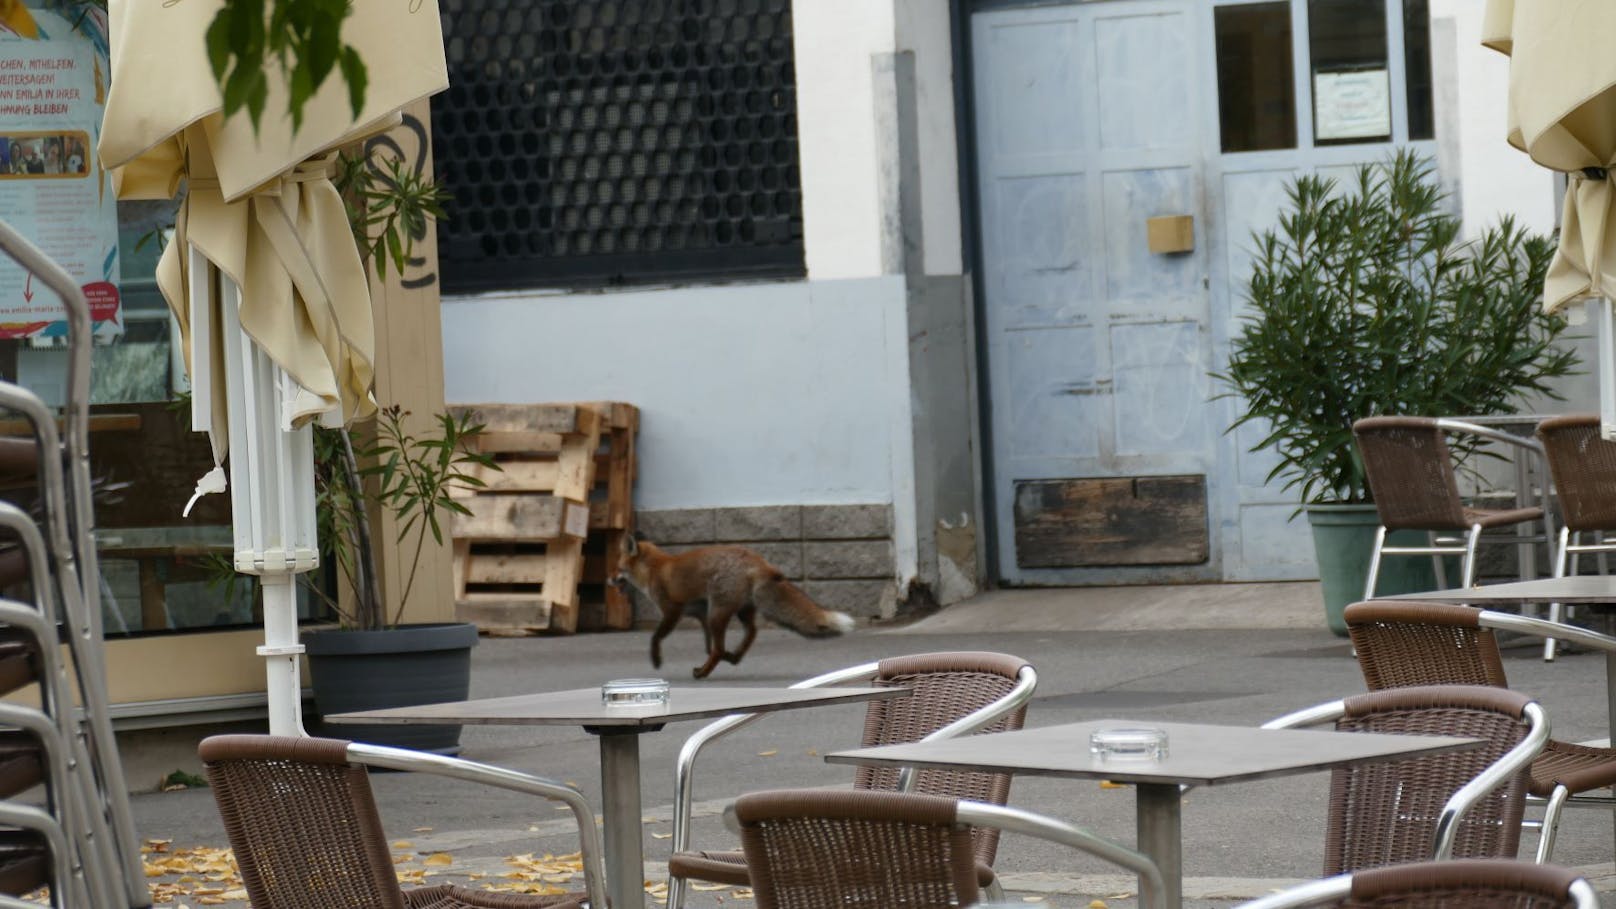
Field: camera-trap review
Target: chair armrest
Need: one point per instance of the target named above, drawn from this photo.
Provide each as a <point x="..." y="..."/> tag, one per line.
<point x="1514" y="761"/>
<point x="1027" y="823"/>
<point x="64" y="880"/>
<point x="1026" y="684"/>
<point x="685" y="768"/>
<point x="502" y="778"/>
<point x="1490" y="434"/>
<point x="1327" y="892"/>
<point x="1543" y="628"/>
<point x="1308" y="716"/>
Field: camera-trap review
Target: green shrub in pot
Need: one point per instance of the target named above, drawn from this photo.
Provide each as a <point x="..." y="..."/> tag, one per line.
<point x="1363" y="300"/>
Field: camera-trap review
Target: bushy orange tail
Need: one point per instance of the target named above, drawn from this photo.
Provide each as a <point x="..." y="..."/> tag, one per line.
<point x="784" y="602"/>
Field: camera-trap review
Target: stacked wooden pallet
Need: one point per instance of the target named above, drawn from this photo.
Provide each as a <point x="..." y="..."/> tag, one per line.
<point x="519" y="556"/>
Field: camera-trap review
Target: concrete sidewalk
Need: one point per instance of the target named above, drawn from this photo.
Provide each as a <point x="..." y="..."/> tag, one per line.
<point x="1238" y="654"/>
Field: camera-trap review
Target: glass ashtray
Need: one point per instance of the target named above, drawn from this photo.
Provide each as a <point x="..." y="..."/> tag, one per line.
<point x="635" y="693"/>
<point x="1136" y="744"/>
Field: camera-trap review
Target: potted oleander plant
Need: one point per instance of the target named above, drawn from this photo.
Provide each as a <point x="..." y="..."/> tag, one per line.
<point x="1363" y="300"/>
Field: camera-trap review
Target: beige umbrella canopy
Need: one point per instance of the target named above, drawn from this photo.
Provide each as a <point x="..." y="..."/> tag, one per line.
<point x="259" y="205"/>
<point x="1562" y="112"/>
<point x="263" y="274"/>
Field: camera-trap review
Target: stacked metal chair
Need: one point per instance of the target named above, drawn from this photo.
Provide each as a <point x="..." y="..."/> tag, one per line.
<point x="80" y="839"/>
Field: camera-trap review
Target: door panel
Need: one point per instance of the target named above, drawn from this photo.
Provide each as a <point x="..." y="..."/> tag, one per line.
<point x="1097" y="347"/>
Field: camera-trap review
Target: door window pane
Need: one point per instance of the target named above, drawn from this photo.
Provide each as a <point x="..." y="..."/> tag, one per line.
<point x="1351" y="78"/>
<point x="1256" y="85"/>
<point x="1417" y="59"/>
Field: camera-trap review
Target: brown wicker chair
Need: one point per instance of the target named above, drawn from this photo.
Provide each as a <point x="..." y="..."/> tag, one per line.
<point x="303" y="824"/>
<point x="1409" y="643"/>
<point x="953" y="694"/>
<point x="1471" y="883"/>
<point x="817" y="849"/>
<point x="1411" y="477"/>
<point x="1583" y="467"/>
<point x="1466" y="803"/>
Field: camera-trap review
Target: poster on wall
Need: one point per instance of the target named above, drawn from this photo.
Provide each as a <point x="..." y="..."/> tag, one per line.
<point x="1355" y="104"/>
<point x="53" y="83"/>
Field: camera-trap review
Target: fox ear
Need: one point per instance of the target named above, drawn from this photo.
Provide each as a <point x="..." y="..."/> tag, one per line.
<point x="631" y="545"/>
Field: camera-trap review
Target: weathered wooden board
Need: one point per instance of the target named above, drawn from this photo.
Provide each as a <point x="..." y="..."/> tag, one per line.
<point x="507" y="612"/>
<point x="1111" y="521"/>
<point x="529" y="418"/>
<point x="521" y="517"/>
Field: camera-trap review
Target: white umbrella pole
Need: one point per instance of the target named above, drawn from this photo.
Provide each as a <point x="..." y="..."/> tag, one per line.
<point x="271" y="494"/>
<point x="1605" y="334"/>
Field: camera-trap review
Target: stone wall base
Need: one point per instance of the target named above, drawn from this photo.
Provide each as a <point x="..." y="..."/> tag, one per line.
<point x="841" y="555"/>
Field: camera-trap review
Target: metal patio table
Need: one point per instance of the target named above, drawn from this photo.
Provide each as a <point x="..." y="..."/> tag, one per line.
<point x="619" y="730"/>
<point x="1581" y="590"/>
<point x="1198" y="754"/>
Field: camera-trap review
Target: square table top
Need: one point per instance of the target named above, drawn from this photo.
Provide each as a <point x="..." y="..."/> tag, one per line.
<point x="1582" y="589"/>
<point x="1198" y="754"/>
<point x="583" y="707"/>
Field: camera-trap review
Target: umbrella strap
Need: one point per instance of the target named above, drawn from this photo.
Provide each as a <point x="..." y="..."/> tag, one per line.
<point x="211" y="482"/>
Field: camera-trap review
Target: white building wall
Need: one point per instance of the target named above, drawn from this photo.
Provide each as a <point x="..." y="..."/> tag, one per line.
<point x="1494" y="179"/>
<point x="778" y="393"/>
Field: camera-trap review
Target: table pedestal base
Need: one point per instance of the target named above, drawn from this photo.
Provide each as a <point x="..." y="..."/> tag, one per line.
<point x="620" y="805"/>
<point x="1159" y="825"/>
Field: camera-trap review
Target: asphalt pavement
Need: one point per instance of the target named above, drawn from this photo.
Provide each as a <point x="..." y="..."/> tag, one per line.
<point x="1237" y="654"/>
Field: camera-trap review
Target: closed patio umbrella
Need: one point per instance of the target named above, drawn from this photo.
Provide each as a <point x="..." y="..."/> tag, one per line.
<point x="1562" y="112"/>
<point x="263" y="274"/>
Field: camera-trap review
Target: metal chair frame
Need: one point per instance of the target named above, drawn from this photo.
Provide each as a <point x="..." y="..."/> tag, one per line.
<point x="1440" y="545"/>
<point x="1560" y="798"/>
<point x="1570" y="546"/>
<point x="1336" y="890"/>
<point x="1027" y="823"/>
<point x="592" y="853"/>
<point x="65" y="487"/>
<point x="1517" y="760"/>
<point x="685" y="769"/>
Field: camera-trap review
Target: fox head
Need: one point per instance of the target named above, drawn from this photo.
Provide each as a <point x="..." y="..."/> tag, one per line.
<point x="632" y="567"/>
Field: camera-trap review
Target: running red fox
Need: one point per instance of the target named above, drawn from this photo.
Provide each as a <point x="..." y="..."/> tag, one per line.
<point x="734" y="581"/>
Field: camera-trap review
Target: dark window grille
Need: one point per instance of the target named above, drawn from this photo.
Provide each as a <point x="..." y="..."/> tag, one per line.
<point x="593" y="142"/>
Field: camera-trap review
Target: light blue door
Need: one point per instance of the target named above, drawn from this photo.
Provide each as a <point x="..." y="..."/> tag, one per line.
<point x="1095" y="123"/>
<point x="1089" y="126"/>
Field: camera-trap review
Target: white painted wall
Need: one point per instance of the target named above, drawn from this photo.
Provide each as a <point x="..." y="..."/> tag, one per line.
<point x="922" y="27"/>
<point x="749" y="394"/>
<point x="835" y="41"/>
<point x="1494" y="178"/>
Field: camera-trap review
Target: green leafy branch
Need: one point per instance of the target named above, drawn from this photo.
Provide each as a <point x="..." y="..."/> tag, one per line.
<point x="418" y="475"/>
<point x="389" y="203"/>
<point x="302" y="37"/>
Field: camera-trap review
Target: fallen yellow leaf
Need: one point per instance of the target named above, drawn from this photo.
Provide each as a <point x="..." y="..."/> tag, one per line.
<point x="770" y="753"/>
<point x="439" y="859"/>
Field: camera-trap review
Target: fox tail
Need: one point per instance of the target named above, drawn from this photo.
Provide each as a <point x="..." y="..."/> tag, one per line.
<point x="784" y="602"/>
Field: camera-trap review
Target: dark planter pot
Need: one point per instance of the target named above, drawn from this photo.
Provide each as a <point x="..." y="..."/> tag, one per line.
<point x="395" y="667"/>
<point x="1343" y="540"/>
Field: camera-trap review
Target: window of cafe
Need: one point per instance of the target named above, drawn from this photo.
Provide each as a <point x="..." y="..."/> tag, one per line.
<point x="1349" y="48"/>
<point x="161" y="572"/>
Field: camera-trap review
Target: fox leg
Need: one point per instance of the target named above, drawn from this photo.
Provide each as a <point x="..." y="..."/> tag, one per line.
<point x="748" y="617"/>
<point x="670" y="618"/>
<point x="717" y="622"/>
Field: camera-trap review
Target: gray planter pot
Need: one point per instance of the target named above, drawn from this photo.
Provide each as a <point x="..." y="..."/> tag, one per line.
<point x="395" y="667"/>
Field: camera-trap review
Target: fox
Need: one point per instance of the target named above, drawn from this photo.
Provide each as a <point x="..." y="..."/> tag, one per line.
<point x="734" y="581"/>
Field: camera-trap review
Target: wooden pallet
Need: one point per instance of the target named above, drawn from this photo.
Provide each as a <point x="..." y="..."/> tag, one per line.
<point x="518" y="557"/>
<point x="611" y="515"/>
<point x="566" y="476"/>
